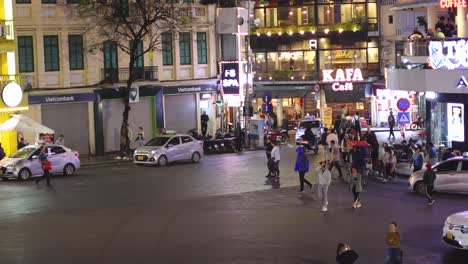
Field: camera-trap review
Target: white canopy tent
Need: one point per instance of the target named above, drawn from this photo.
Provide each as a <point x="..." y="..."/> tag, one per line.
<point x="24" y="124"/>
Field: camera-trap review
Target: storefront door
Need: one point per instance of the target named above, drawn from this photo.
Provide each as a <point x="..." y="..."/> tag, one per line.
<point x="180" y="112"/>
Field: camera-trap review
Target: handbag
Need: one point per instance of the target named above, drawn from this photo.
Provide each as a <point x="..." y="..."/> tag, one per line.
<point x="47" y="166"/>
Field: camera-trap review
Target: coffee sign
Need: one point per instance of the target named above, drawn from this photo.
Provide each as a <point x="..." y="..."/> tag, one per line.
<point x="452" y="3"/>
<point x="342" y="79"/>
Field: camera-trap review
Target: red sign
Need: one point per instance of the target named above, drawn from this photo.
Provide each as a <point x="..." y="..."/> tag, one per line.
<point x="452" y="3"/>
<point x="403" y="104"/>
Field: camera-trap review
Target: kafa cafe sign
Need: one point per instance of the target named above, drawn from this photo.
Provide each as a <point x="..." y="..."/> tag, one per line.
<point x="230" y="78"/>
<point x="449" y="54"/>
<point x="342" y="79"/>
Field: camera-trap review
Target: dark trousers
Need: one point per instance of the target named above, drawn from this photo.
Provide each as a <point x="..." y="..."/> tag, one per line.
<point x="355" y="194"/>
<point x="269" y="164"/>
<point x="429" y="190"/>
<point x="336" y="164"/>
<point x="391" y="132"/>
<point x="388" y="170"/>
<point x="302" y="180"/>
<point x="204" y="127"/>
<point x="345" y="156"/>
<point x="275" y="168"/>
<point x="46" y="176"/>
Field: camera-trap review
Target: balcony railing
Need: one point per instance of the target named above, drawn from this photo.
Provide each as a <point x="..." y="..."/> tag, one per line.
<point x="6" y="30"/>
<point x="121" y="74"/>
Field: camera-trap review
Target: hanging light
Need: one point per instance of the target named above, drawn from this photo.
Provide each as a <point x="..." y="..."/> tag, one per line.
<point x="340" y="30"/>
<point x="290" y="33"/>
<point x="280" y="33"/>
<point x="301" y="32"/>
<point x="326" y="31"/>
<point x="269" y="33"/>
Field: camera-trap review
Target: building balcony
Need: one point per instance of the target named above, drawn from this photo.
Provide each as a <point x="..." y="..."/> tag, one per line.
<point x="121" y="74"/>
<point x="6" y="30"/>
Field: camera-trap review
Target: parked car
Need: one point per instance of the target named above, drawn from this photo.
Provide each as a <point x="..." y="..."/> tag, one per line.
<point x="24" y="164"/>
<point x="451" y="177"/>
<point x="455" y="231"/>
<point x="315" y="124"/>
<point x="169" y="148"/>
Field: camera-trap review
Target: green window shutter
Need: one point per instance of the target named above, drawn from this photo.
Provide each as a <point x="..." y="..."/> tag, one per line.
<point x="167" y="52"/>
<point x="184" y="47"/>
<point x="49" y="1"/>
<point x="202" y="48"/>
<point x="23" y="1"/>
<point x="111" y="63"/>
<point x="51" y="53"/>
<point x="75" y="52"/>
<point x="25" y="54"/>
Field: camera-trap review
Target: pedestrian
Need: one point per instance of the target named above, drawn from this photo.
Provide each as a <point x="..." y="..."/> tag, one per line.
<point x="337" y="126"/>
<point x="140" y="139"/>
<point x="323" y="141"/>
<point x="382" y="151"/>
<point x="429" y="178"/>
<point x="332" y="136"/>
<point x="356" y="187"/>
<point x="21" y="143"/>
<point x="447" y="154"/>
<point x="392" y="239"/>
<point x="275" y="158"/>
<point x="441" y="24"/>
<point x="46" y="166"/>
<point x="61" y="140"/>
<point x="391" y="124"/>
<point x="345" y="148"/>
<point x="285" y="125"/>
<point x="324" y="181"/>
<point x="390" y="161"/>
<point x="356" y="122"/>
<point x="417" y="160"/>
<point x="345" y="254"/>
<point x="302" y="167"/>
<point x="268" y="149"/>
<point x="2" y="152"/>
<point x="432" y="151"/>
<point x="335" y="157"/>
<point x="204" y="123"/>
<point x="358" y="159"/>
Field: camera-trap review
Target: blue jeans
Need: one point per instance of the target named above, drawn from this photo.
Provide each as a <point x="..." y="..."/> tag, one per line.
<point x="393" y="256"/>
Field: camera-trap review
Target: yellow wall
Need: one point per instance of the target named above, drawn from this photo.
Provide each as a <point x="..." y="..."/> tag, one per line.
<point x="8" y="139"/>
<point x="3" y="64"/>
<point x="2" y="8"/>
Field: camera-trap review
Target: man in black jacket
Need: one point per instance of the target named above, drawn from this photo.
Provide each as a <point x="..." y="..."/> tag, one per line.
<point x="429" y="178"/>
<point x="269" y="148"/>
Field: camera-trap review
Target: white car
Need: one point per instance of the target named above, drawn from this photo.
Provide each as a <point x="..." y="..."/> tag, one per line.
<point x="451" y="177"/>
<point x="164" y="149"/>
<point x="24" y="164"/>
<point x="455" y="232"/>
<point x="315" y="124"/>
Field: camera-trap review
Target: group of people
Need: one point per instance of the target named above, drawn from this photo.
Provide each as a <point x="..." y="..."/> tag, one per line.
<point x="444" y="28"/>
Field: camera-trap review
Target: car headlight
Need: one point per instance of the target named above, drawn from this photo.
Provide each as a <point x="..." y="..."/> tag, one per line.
<point x="10" y="167"/>
<point x="152" y="152"/>
<point x="464" y="229"/>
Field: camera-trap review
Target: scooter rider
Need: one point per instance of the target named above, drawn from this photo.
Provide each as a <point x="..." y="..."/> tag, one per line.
<point x="310" y="137"/>
<point x="269" y="148"/>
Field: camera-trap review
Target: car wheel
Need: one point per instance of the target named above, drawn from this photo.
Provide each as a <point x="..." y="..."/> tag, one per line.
<point x="24" y="174"/>
<point x="419" y="187"/>
<point x="69" y="169"/>
<point x="195" y="157"/>
<point x="162" y="161"/>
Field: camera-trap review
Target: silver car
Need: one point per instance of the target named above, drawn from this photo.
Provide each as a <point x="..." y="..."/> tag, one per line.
<point x="451" y="177"/>
<point x="25" y="164"/>
<point x="164" y="149"/>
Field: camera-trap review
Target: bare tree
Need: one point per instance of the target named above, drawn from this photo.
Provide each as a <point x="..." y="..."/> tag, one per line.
<point x="126" y="23"/>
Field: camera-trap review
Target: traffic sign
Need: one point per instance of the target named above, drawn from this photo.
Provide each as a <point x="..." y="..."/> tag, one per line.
<point x="403" y="104"/>
<point x="403" y="118"/>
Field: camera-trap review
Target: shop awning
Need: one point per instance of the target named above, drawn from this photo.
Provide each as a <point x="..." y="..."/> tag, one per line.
<point x="282" y="91"/>
<point x="24" y="124"/>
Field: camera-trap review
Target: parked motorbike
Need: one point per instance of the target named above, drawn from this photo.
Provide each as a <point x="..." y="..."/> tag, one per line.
<point x="418" y="124"/>
<point x="279" y="136"/>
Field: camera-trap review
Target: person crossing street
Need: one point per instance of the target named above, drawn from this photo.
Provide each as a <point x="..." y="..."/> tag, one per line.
<point x="302" y="167"/>
<point x="391" y="124"/>
<point x="269" y="148"/>
<point x="46" y="166"/>
<point x="275" y="159"/>
<point x="335" y="157"/>
<point x="324" y="180"/>
<point x="429" y="178"/>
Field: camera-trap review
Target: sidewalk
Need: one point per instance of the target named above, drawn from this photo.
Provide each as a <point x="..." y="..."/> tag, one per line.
<point x="87" y="161"/>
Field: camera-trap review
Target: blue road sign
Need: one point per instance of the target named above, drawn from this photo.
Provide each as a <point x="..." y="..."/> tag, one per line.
<point x="403" y="118"/>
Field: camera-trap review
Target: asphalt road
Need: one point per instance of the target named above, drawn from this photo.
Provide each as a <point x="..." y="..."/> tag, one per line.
<point x="219" y="211"/>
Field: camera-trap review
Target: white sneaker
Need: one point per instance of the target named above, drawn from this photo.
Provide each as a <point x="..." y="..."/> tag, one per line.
<point x="359" y="205"/>
<point x="324" y="209"/>
<point x="118" y="157"/>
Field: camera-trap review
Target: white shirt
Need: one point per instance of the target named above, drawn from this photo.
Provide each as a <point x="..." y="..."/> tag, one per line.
<point x="324" y="176"/>
<point x="332" y="136"/>
<point x="275" y="153"/>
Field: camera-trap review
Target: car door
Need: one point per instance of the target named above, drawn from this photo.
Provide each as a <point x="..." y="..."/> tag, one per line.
<point x="34" y="165"/>
<point x="173" y="149"/>
<point x="56" y="155"/>
<point x="187" y="147"/>
<point x="446" y="176"/>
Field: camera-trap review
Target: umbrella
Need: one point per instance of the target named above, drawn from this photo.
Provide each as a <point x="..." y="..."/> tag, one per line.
<point x="24" y="124"/>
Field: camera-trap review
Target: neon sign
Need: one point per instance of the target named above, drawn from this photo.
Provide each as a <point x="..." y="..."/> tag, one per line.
<point x="452" y="3"/>
<point x="343" y="80"/>
<point x="448" y="54"/>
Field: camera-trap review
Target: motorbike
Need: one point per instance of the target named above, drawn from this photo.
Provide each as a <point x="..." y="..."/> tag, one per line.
<point x="279" y="136"/>
<point x="418" y="124"/>
<point x="310" y="145"/>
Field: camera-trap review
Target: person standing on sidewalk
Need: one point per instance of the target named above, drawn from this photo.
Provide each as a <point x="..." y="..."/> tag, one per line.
<point x="140" y="139"/>
<point x="391" y="124"/>
<point x="356" y="187"/>
<point x="417" y="160"/>
<point x="429" y="178"/>
<point x="392" y="239"/>
<point x="335" y="157"/>
<point x="204" y="123"/>
<point x="275" y="159"/>
<point x="324" y="181"/>
<point x="269" y="148"/>
<point x="46" y="166"/>
<point x="302" y="167"/>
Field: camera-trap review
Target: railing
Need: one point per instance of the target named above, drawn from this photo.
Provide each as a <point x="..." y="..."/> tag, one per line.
<point x="121" y="74"/>
<point x="6" y="29"/>
<point x="415" y="48"/>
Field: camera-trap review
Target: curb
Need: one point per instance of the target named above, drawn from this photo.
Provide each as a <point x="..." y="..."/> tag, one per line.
<point x="97" y="163"/>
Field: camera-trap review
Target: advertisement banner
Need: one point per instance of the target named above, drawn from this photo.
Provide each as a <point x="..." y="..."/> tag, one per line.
<point x="328" y="116"/>
<point x="230" y="78"/>
<point x="455" y="122"/>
